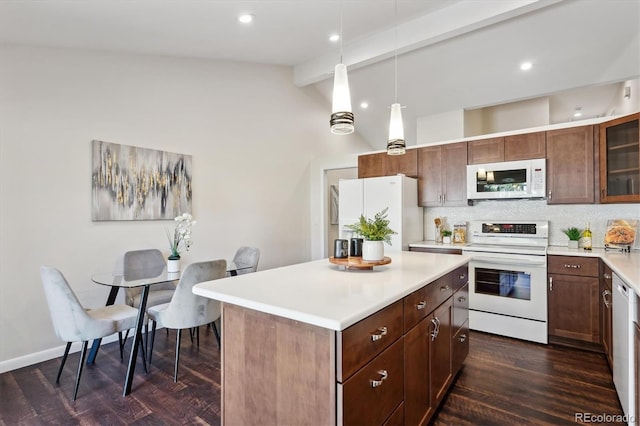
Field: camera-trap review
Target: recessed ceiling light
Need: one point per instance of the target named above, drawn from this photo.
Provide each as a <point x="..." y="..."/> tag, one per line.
<point x="245" y="18"/>
<point x="334" y="37"/>
<point x="364" y="105"/>
<point x="525" y="66"/>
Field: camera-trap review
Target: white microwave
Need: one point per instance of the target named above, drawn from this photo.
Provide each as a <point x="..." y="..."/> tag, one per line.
<point x="508" y="179"/>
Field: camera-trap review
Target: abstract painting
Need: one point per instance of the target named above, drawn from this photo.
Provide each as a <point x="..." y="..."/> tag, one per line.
<point x="131" y="183"/>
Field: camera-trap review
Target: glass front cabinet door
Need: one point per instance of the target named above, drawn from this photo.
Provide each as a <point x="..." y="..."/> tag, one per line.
<point x="620" y="160"/>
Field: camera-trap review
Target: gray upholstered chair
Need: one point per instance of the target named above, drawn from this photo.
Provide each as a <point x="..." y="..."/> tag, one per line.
<point x="247" y="256"/>
<point x="187" y="310"/>
<point x="139" y="264"/>
<point x="72" y="323"/>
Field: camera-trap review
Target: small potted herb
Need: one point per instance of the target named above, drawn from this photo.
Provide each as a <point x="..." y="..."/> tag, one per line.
<point x="446" y="236"/>
<point x="574" y="236"/>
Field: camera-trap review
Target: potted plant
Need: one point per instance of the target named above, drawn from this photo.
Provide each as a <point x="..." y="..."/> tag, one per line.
<point x="375" y="232"/>
<point x="446" y="236"/>
<point x="574" y="236"/>
<point x="181" y="239"/>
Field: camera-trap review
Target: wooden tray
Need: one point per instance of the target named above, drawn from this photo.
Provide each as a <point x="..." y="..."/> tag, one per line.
<point x="358" y="263"/>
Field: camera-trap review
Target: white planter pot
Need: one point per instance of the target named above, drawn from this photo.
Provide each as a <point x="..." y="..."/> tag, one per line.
<point x="446" y="240"/>
<point x="573" y="244"/>
<point x="173" y="265"/>
<point x="372" y="250"/>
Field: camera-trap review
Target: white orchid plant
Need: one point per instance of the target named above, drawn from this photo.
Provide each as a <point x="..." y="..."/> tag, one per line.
<point x="181" y="239"/>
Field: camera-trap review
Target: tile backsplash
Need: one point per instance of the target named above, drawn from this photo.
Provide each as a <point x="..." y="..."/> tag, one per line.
<point x="559" y="216"/>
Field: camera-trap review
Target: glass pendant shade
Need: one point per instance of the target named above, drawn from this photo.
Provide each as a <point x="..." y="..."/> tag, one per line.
<point x="341" y="114"/>
<point x="395" y="144"/>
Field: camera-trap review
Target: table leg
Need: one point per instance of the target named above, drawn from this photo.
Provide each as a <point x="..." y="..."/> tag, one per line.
<point x="137" y="337"/>
<point x="96" y="343"/>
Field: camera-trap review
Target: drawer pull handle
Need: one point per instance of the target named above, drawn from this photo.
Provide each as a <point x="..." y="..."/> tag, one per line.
<point x="461" y="277"/>
<point x="378" y="336"/>
<point x="462" y="338"/>
<point x="607" y="276"/>
<point x="421" y="305"/>
<point x="566" y="265"/>
<point x="444" y="288"/>
<point x="461" y="299"/>
<point x="383" y="376"/>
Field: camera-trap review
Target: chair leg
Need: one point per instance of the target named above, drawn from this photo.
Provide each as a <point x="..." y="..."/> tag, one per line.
<point x="198" y="336"/>
<point x="215" y="330"/>
<point x="175" y="370"/>
<point x="153" y="338"/>
<point x="121" y="344"/>
<point x="64" y="359"/>
<point x="83" y="355"/>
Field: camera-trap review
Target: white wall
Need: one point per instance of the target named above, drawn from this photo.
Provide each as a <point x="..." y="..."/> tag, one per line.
<point x="434" y="128"/>
<point x="253" y="136"/>
<point x="515" y="116"/>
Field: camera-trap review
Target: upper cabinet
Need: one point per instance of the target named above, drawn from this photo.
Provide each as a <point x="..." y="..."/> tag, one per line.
<point x="381" y="164"/>
<point x="442" y="175"/>
<point x="620" y="160"/>
<point x="509" y="148"/>
<point x="570" y="166"/>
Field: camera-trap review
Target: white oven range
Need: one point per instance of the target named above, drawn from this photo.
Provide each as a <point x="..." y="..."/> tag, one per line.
<point x="507" y="278"/>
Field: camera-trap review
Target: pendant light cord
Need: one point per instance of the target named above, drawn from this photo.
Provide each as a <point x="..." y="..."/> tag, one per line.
<point x="341" y="4"/>
<point x="395" y="47"/>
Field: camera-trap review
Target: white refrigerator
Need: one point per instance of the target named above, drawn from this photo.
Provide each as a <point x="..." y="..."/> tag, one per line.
<point x="371" y="195"/>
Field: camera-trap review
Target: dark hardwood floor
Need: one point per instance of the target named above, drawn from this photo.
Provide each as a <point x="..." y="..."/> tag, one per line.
<point x="504" y="382"/>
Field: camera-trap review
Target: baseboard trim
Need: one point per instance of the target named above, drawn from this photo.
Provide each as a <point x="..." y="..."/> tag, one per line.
<point x="46" y="355"/>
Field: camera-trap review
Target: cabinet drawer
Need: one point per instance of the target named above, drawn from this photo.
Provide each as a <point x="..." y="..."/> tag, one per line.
<point x="460" y="277"/>
<point x="420" y="303"/>
<point x="397" y="417"/>
<point x="460" y="307"/>
<point x="573" y="265"/>
<point x="367" y="338"/>
<point x="459" y="347"/>
<point x="373" y="393"/>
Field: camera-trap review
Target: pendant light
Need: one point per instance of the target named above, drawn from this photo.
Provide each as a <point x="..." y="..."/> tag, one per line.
<point x="341" y="115"/>
<point x="395" y="143"/>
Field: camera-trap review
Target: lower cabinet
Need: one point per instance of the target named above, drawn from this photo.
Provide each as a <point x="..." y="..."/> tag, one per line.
<point x="406" y="380"/>
<point x="574" y="308"/>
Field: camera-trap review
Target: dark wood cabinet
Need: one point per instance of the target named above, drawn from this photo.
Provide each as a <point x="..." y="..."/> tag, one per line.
<point x="525" y="146"/>
<point x="485" y="151"/>
<point x="442" y="175"/>
<point x="606" y="313"/>
<point x="509" y="148"/>
<point x="570" y="166"/>
<point x="620" y="160"/>
<point x="574" y="309"/>
<point x="429" y="354"/>
<point x="381" y="164"/>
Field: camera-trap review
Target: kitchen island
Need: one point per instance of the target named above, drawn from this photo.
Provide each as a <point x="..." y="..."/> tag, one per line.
<point x="315" y="344"/>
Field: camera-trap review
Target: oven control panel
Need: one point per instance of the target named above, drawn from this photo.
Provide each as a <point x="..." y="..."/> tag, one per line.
<point x="509" y="228"/>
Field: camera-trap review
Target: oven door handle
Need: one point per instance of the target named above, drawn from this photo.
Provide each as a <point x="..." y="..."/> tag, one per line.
<point x="511" y="262"/>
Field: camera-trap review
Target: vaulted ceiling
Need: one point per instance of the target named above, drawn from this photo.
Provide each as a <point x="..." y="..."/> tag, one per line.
<point x="452" y="54"/>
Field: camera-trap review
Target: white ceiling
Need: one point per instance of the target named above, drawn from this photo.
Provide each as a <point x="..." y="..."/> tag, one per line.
<point x="453" y="54"/>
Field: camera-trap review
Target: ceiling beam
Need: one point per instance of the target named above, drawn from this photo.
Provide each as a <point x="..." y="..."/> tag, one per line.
<point x="454" y="20"/>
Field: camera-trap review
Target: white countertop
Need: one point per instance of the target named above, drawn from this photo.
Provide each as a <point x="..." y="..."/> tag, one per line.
<point x="322" y="294"/>
<point x="625" y="265"/>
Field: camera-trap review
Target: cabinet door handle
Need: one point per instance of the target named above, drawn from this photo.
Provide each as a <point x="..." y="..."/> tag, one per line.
<point x="383" y="376"/>
<point x="550" y="283"/>
<point x="549" y="196"/>
<point x="567" y="265"/>
<point x="607" y="276"/>
<point x="444" y="288"/>
<point x="421" y="305"/>
<point x="461" y="299"/>
<point x="436" y="328"/>
<point x="606" y="293"/>
<point x="462" y="338"/>
<point x="378" y="336"/>
<point x="461" y="277"/>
